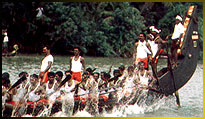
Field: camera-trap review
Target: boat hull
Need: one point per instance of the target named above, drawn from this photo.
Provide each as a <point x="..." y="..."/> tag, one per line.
<point x="170" y="83"/>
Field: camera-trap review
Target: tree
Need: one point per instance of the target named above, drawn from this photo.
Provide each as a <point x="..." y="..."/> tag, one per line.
<point x="99" y="28"/>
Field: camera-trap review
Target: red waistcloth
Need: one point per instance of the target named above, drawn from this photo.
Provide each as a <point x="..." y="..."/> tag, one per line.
<point x="80" y="98"/>
<point x="45" y="77"/>
<point x="76" y="76"/>
<point x="144" y="60"/>
<point x="11" y="102"/>
<point x="104" y="97"/>
<point x="32" y="103"/>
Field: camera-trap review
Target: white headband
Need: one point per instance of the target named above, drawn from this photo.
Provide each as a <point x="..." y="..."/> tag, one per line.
<point x="151" y="27"/>
<point x="179" y="18"/>
<point x="156" y="30"/>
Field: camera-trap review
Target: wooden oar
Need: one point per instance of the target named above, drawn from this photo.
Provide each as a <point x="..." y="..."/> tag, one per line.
<point x="62" y="83"/>
<point x="116" y="89"/>
<point x="155" y="75"/>
<point x="172" y="75"/>
<point x="176" y="92"/>
<point x="23" y="78"/>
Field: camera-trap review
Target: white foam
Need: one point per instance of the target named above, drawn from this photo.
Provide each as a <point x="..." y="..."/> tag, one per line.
<point x="134" y="109"/>
<point x="59" y="114"/>
<point x="27" y="115"/>
<point x="82" y="114"/>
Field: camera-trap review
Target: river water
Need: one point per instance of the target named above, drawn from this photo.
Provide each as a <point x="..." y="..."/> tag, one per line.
<point x="191" y="95"/>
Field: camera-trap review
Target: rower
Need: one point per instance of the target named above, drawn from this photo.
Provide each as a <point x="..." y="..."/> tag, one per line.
<point x="104" y="82"/>
<point x="51" y="83"/>
<point x="92" y="99"/>
<point x="68" y="97"/>
<point x="80" y="93"/>
<point x="122" y="70"/>
<point x="68" y="72"/>
<point x="96" y="76"/>
<point x="113" y="81"/>
<point x="128" y="85"/>
<point x="58" y="78"/>
<point x="55" y="97"/>
<point x="145" y="77"/>
<point x="103" y="94"/>
<point x="42" y="102"/>
<point x="32" y="96"/>
<point x="6" y="97"/>
<point x="18" y="95"/>
<point x="90" y="70"/>
<point x="128" y="81"/>
<point x="5" y="80"/>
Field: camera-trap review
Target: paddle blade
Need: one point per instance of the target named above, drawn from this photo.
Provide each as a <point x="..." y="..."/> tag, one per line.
<point x="64" y="81"/>
<point x="23" y="78"/>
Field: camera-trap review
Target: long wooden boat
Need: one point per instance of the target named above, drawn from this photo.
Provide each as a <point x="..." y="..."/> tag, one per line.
<point x="172" y="80"/>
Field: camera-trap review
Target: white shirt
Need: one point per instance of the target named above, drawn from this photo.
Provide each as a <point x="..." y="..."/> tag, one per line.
<point x="142" y="50"/>
<point x="76" y="65"/>
<point x="154" y="47"/>
<point x="143" y="79"/>
<point x="40" y="9"/>
<point x="45" y="61"/>
<point x="67" y="88"/>
<point x="6" y="39"/>
<point x="50" y="90"/>
<point x="178" y="30"/>
<point x="33" y="97"/>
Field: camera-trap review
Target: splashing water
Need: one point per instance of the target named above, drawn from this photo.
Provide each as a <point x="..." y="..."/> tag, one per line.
<point x="191" y="95"/>
<point x="82" y="114"/>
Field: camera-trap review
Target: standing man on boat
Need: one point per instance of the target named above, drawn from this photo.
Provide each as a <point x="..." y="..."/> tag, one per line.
<point x="141" y="51"/>
<point x="76" y="64"/>
<point x="46" y="64"/>
<point x="176" y="38"/>
<point x="157" y="44"/>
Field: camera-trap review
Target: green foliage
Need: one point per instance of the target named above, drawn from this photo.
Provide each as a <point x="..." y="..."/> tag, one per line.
<point x="99" y="28"/>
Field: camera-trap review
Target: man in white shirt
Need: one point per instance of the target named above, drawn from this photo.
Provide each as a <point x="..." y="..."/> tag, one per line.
<point x="46" y="64"/>
<point x="40" y="11"/>
<point x="141" y="51"/>
<point x="5" y="43"/>
<point x="176" y="38"/>
<point x="76" y="64"/>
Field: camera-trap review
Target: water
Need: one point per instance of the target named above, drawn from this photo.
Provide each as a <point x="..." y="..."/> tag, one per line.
<point x="191" y="95"/>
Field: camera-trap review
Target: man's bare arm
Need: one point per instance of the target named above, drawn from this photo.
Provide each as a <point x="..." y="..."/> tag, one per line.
<point x="83" y="63"/>
<point x="70" y="63"/>
<point x="135" y="52"/>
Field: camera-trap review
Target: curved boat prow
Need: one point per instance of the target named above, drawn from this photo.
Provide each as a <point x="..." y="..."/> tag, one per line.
<point x="188" y="56"/>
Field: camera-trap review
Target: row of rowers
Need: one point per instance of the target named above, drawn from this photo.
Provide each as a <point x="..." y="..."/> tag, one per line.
<point x="32" y="90"/>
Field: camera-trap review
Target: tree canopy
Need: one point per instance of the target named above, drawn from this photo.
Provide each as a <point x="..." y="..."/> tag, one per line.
<point x="99" y="28"/>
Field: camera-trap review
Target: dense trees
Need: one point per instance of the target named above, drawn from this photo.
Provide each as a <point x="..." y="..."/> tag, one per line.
<point x="99" y="28"/>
